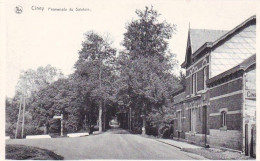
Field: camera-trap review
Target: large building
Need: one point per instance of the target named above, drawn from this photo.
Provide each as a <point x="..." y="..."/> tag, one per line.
<point x="217" y="106"/>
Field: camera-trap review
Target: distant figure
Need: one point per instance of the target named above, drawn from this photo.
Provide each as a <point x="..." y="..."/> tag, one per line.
<point x="45" y="129"/>
<point x="114" y="123"/>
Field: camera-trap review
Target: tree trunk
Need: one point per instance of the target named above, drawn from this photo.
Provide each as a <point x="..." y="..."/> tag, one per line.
<point x="104" y="120"/>
<point x="130" y="117"/>
<point x="23" y="116"/>
<point x="144" y="119"/>
<point x="100" y="105"/>
<point x="100" y="118"/>
<point x="143" y="128"/>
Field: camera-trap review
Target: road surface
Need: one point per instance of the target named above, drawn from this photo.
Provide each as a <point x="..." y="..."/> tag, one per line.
<point x="114" y="144"/>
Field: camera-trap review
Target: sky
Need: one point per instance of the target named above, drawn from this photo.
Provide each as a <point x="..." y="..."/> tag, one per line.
<point x="39" y="37"/>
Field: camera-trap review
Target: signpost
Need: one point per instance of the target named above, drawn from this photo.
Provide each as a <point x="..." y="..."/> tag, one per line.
<point x="57" y="117"/>
<point x="61" y="122"/>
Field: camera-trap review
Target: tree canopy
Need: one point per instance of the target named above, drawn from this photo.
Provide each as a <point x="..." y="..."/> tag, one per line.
<point x="139" y="79"/>
<point x="146" y="82"/>
<point x="96" y="65"/>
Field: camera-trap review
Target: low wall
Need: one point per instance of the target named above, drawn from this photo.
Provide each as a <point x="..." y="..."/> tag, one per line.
<point x="198" y="139"/>
<point x="231" y="139"/>
<point x="38" y="136"/>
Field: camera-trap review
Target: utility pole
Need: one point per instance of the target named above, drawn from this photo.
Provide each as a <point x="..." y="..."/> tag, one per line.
<point x="23" y="116"/>
<point x="17" y="125"/>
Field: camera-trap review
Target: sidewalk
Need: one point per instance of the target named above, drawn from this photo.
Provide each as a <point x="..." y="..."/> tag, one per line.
<point x="208" y="153"/>
<point x="178" y="144"/>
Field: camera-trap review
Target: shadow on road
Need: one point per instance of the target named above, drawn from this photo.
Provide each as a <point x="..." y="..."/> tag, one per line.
<point x="117" y="131"/>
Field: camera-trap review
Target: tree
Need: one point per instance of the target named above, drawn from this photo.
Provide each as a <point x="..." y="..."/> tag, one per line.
<point x="30" y="82"/>
<point x="147" y="36"/>
<point x="146" y="80"/>
<point x="95" y="63"/>
<point x="33" y="80"/>
<point x="182" y="79"/>
<point x="10" y="117"/>
<point x="62" y="96"/>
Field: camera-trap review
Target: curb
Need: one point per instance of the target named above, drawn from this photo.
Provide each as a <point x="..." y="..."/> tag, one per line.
<point x="169" y="144"/>
<point x="194" y="156"/>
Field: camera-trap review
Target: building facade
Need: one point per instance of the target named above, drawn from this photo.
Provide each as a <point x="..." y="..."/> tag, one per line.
<point x="217" y="105"/>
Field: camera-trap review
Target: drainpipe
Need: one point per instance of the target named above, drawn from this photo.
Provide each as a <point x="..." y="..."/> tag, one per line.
<point x="243" y="116"/>
<point x="206" y="146"/>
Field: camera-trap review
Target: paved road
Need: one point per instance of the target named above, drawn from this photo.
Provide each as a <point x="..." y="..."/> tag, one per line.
<point x="114" y="144"/>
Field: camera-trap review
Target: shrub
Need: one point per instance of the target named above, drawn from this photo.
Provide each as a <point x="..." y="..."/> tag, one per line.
<point x="54" y="126"/>
<point x="33" y="130"/>
<point x="165" y="131"/>
<point x="10" y="129"/>
<point x="152" y="130"/>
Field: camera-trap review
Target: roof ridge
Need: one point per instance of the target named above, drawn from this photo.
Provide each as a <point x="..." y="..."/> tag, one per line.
<point x="209" y="29"/>
<point x="234" y="29"/>
<point x="217" y="37"/>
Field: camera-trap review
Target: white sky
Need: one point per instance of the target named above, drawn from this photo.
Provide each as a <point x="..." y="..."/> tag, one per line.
<point x="36" y="38"/>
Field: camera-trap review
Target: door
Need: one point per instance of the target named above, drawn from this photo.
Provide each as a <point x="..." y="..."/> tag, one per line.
<point x="253" y="141"/>
<point x="246" y="139"/>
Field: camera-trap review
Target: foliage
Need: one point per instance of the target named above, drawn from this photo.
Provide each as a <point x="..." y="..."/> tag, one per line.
<point x="33" y="80"/>
<point x="10" y="129"/>
<point x="95" y="65"/>
<point x="146" y="36"/>
<point x="182" y="79"/>
<point x="30" y="82"/>
<point x="61" y="97"/>
<point x="140" y="77"/>
<point x="146" y="81"/>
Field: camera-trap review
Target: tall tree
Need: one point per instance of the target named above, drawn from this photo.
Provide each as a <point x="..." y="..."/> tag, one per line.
<point x="33" y="80"/>
<point x="95" y="63"/>
<point x="30" y="82"/>
<point x="63" y="96"/>
<point x="146" y="36"/>
<point x="146" y="64"/>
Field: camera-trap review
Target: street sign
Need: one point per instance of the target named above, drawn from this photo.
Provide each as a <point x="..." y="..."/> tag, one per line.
<point x="250" y="94"/>
<point x="57" y="117"/>
<point x="61" y="120"/>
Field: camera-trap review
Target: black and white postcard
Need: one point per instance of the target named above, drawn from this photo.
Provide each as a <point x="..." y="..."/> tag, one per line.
<point x="128" y="79"/>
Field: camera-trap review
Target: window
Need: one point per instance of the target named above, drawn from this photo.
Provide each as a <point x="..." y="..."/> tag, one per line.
<point x="179" y="120"/>
<point x="193" y="119"/>
<point x="204" y="77"/>
<point x="194" y="83"/>
<point x="223" y="118"/>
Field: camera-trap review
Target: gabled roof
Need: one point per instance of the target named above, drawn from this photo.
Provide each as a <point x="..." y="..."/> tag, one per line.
<point x="199" y="37"/>
<point x="242" y="66"/>
<point x="234" y="30"/>
<point x="211" y="44"/>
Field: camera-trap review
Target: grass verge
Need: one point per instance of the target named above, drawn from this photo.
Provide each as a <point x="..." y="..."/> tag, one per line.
<point x="22" y="152"/>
